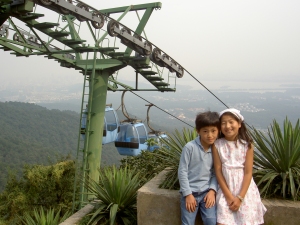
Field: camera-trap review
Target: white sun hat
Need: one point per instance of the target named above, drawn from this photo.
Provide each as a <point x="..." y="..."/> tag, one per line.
<point x="235" y="112"/>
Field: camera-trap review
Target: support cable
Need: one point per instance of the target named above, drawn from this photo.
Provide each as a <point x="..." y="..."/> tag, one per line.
<point x="213" y="94"/>
<point x="177" y="117"/>
<point x="206" y="88"/>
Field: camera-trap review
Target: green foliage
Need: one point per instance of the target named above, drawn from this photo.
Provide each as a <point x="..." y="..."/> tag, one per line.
<point x="116" y="192"/>
<point x="42" y="218"/>
<point x="277" y="160"/>
<point x="151" y="142"/>
<point x="146" y="164"/>
<point x="46" y="186"/>
<point x="170" y="155"/>
<point x="31" y="134"/>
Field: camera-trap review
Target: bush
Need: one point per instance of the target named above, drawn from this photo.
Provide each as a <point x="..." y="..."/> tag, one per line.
<point x="44" y="218"/>
<point x="46" y="186"/>
<point x="116" y="197"/>
<point x="277" y="160"/>
<point x="147" y="164"/>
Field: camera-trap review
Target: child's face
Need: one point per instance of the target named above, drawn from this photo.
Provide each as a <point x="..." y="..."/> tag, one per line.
<point x="230" y="127"/>
<point x="208" y="135"/>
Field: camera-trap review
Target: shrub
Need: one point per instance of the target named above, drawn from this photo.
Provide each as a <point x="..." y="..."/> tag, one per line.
<point x="116" y="197"/>
<point x="146" y="164"/>
<point x="44" y="218"/>
<point x="277" y="160"/>
<point x="46" y="186"/>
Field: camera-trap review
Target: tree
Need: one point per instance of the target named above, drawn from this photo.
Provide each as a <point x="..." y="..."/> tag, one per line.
<point x="47" y="186"/>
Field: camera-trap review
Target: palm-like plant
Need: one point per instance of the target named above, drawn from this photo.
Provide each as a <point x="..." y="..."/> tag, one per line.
<point x="170" y="155"/>
<point x="277" y="160"/>
<point x="116" y="192"/>
<point x="42" y="218"/>
<point x="151" y="142"/>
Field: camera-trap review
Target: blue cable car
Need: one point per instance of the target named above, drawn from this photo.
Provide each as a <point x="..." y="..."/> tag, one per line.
<point x="154" y="134"/>
<point x="157" y="138"/>
<point x="131" y="139"/>
<point x="133" y="134"/>
<point x="130" y="136"/>
<point x="110" y="128"/>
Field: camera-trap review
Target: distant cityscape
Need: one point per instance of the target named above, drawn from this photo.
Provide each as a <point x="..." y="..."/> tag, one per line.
<point x="259" y="107"/>
<point x="38" y="93"/>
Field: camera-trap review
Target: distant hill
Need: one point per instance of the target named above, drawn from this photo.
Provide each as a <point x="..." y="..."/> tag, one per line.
<point x="32" y="134"/>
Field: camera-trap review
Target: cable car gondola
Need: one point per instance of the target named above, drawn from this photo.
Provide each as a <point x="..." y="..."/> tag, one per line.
<point x="154" y="134"/>
<point x="133" y="135"/>
<point x="110" y="128"/>
<point x="157" y="139"/>
<point x="131" y="139"/>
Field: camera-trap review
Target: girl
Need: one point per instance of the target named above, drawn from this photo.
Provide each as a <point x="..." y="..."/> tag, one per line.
<point x="238" y="200"/>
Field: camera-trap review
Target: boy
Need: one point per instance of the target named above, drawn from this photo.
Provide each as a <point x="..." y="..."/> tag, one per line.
<point x="198" y="184"/>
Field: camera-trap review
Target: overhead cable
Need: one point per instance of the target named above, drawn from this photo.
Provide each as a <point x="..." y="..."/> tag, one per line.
<point x="162" y="109"/>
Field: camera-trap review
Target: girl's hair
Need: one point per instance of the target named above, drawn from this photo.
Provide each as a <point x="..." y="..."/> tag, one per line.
<point x="243" y="133"/>
<point x="206" y="119"/>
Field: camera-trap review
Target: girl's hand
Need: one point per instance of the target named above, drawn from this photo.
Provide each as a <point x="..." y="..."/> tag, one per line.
<point x="235" y="205"/>
<point x="190" y="203"/>
<point x="210" y="199"/>
<point x="229" y="200"/>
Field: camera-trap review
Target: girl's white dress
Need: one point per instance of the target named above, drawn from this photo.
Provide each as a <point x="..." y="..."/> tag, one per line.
<point x="251" y="210"/>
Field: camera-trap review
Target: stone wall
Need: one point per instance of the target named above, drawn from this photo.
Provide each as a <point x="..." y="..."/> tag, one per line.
<point x="75" y="218"/>
<point x="161" y="207"/>
<point x="157" y="206"/>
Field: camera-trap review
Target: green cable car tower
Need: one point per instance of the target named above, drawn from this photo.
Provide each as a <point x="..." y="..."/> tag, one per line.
<point x="95" y="42"/>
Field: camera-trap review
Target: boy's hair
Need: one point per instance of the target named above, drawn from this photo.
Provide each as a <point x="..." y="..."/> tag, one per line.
<point x="206" y="119"/>
<point x="243" y="131"/>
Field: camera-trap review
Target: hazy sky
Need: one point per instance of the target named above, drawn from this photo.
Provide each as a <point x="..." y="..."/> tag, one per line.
<point x="232" y="43"/>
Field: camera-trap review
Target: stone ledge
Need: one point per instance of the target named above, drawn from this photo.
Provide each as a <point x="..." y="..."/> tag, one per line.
<point x="76" y="217"/>
<point x="162" y="207"/>
<point x="281" y="212"/>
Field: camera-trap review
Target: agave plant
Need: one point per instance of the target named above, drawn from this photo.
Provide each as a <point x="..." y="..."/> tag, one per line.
<point x="116" y="192"/>
<point x="42" y="218"/>
<point x="170" y="155"/>
<point x="277" y="160"/>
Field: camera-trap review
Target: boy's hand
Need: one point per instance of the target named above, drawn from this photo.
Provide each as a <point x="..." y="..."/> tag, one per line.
<point x="210" y="199"/>
<point x="190" y="203"/>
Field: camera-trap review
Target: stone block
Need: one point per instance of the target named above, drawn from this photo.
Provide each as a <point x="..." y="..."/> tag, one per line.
<point x="159" y="206"/>
<point x="282" y="212"/>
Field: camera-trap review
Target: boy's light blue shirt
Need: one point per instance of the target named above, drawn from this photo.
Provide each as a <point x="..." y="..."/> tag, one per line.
<point x="196" y="169"/>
